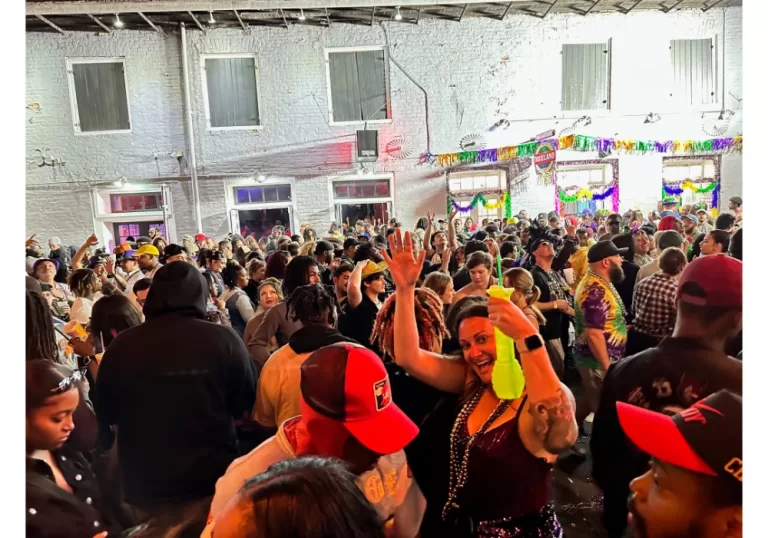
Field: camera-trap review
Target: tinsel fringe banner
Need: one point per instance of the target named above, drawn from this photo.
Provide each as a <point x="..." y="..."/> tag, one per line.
<point x="588" y="143"/>
<point x="713" y="187"/>
<point x="505" y="201"/>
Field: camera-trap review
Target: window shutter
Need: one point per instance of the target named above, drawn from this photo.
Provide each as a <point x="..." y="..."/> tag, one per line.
<point x="585" y="76"/>
<point x="232" y="92"/>
<point x="102" y="103"/>
<point x="693" y="77"/>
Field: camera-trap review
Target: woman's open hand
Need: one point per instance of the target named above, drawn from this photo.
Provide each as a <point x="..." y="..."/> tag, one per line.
<point x="404" y="268"/>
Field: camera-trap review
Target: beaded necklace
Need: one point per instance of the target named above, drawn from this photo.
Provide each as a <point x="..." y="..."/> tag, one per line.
<point x="608" y="284"/>
<point x="459" y="469"/>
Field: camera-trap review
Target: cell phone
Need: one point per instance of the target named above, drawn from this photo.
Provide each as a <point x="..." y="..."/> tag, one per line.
<point x="46" y="287"/>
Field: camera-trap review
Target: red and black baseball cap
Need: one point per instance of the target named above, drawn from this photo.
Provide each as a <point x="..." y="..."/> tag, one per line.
<point x="714" y="280"/>
<point x="349" y="383"/>
<point x="704" y="439"/>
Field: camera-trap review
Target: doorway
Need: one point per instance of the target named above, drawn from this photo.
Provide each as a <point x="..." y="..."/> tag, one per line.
<point x="123" y="230"/>
<point x="259" y="222"/>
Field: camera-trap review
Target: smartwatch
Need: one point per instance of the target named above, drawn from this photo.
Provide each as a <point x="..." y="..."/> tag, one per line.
<point x="530" y="343"/>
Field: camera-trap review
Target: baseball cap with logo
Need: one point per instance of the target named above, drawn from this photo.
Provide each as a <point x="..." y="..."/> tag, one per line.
<point x="129" y="255"/>
<point x="349" y="383"/>
<point x="148" y="249"/>
<point x="714" y="280"/>
<point x="705" y="438"/>
<point x="200" y="237"/>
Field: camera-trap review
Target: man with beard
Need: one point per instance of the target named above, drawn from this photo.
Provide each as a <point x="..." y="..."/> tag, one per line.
<point x="703" y="225"/>
<point x="693" y="488"/>
<point x="149" y="260"/>
<point x="601" y="329"/>
<point x="683" y="368"/>
<point x="690" y="225"/>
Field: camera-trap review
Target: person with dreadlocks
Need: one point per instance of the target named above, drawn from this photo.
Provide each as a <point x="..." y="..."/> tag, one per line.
<point x="87" y="290"/>
<point x="277" y="395"/>
<point x="502" y="450"/>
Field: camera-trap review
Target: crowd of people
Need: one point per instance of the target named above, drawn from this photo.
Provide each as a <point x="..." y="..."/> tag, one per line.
<point x="341" y="383"/>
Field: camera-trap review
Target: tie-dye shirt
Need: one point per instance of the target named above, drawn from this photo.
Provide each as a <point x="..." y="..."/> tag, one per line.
<point x="597" y="306"/>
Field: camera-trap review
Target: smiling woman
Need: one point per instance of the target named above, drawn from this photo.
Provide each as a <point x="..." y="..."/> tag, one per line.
<point x="526" y="433"/>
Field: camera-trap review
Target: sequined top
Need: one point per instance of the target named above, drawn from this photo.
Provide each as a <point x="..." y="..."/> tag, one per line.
<point x="504" y="479"/>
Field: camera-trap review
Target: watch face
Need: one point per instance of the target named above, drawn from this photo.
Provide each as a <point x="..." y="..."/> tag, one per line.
<point x="533" y="342"/>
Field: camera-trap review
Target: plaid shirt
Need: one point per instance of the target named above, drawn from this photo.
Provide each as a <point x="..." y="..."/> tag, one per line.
<point x="654" y="305"/>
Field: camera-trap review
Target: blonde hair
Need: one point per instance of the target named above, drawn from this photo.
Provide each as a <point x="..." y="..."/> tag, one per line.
<point x="438" y="281"/>
<point x="308" y="248"/>
<point x="522" y="281"/>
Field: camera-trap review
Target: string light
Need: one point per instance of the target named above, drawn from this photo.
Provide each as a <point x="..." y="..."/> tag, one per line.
<point x="398" y="15"/>
<point x="118" y="23"/>
<point x="301" y="16"/>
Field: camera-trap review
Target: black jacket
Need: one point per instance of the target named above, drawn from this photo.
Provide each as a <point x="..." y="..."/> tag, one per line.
<point x="667" y="378"/>
<point x="173" y="387"/>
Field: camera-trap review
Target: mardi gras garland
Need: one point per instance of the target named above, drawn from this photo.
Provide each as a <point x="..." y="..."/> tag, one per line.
<point x="505" y="201"/>
<point x="713" y="187"/>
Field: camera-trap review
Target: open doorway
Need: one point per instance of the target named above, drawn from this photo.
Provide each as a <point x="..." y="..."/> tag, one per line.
<point x="259" y="222"/>
<point x="123" y="230"/>
<point x="351" y="213"/>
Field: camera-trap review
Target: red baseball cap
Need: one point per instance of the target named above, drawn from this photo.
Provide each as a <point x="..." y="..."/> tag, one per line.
<point x="200" y="237"/>
<point x="349" y="383"/>
<point x="706" y="438"/>
<point x="714" y="280"/>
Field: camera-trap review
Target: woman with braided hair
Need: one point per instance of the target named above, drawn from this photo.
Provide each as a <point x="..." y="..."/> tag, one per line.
<point x="502" y="451"/>
<point x="278" y="392"/>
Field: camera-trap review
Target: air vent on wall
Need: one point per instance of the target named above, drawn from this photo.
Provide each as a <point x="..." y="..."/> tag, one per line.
<point x="399" y="148"/>
<point x="473" y="142"/>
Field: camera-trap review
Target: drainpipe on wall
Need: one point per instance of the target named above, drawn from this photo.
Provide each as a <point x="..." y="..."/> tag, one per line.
<point x="190" y="130"/>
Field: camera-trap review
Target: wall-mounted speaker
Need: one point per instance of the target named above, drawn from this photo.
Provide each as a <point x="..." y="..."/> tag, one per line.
<point x="367" y="146"/>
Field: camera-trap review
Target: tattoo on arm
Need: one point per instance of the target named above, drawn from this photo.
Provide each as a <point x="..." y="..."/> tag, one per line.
<point x="554" y="422"/>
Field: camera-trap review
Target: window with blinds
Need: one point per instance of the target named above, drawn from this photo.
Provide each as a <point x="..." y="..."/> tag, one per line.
<point x="98" y="95"/>
<point x="232" y="94"/>
<point x="586" y="74"/>
<point x="693" y="71"/>
<point x="357" y="83"/>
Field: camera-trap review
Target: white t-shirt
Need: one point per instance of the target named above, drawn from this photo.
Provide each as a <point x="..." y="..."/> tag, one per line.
<point x="389" y="486"/>
<point x="131" y="279"/>
<point x="81" y="308"/>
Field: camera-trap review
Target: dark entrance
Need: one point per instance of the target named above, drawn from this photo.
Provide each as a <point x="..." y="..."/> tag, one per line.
<point x="259" y="222"/>
<point x="123" y="230"/>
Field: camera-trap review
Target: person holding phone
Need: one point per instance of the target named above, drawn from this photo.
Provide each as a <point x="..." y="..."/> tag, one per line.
<point x="45" y="270"/>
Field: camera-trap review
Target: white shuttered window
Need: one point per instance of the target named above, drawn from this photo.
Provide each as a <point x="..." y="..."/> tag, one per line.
<point x="586" y="74"/>
<point x="693" y="71"/>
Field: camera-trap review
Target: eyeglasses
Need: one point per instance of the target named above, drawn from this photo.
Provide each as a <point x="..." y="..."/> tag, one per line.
<point x="67" y="382"/>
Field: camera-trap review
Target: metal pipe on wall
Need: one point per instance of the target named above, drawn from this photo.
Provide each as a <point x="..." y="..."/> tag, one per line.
<point x="190" y="130"/>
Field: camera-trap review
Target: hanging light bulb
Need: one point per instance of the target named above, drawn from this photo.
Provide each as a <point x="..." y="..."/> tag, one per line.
<point x="262" y="178"/>
<point x="211" y="20"/>
<point x="398" y="15"/>
<point x="118" y="23"/>
<point x="301" y="16"/>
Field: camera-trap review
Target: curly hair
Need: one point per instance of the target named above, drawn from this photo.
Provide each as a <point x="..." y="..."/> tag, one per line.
<point x="308" y="248"/>
<point x="429" y="321"/>
<point x="312" y="304"/>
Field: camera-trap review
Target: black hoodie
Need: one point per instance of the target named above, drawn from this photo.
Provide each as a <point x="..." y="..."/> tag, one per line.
<point x="173" y="386"/>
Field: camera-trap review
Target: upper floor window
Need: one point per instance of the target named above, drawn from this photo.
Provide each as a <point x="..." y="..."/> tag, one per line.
<point x="231" y="91"/>
<point x="357" y="82"/>
<point x="262" y="194"/>
<point x="125" y="203"/>
<point x="476" y="181"/>
<point x="98" y="95"/>
<point x="586" y="70"/>
<point x="693" y="71"/>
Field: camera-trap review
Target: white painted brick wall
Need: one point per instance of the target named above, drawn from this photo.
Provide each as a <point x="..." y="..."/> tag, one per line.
<point x="474" y="72"/>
